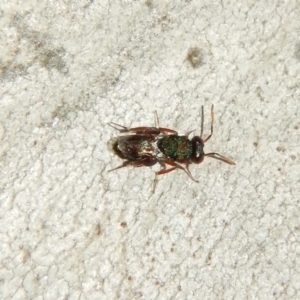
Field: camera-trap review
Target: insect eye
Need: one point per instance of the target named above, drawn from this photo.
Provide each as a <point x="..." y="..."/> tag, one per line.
<point x="198" y="154"/>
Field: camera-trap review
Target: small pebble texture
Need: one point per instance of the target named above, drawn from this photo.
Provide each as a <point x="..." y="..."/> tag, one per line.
<point x="69" y="229"/>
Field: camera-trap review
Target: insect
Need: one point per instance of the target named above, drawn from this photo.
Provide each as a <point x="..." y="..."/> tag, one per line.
<point x="146" y="146"/>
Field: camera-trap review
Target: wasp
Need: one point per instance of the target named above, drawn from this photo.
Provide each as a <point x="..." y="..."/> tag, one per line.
<point x="146" y="146"/>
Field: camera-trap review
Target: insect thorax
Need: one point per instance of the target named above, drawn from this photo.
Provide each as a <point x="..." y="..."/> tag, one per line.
<point x="175" y="147"/>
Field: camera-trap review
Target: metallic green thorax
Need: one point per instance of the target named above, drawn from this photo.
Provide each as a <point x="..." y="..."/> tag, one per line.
<point x="176" y="147"/>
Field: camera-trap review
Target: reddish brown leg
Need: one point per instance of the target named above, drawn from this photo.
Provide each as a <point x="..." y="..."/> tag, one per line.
<point x="144" y="161"/>
<point x="143" y="129"/>
<point x="164" y="171"/>
<point x="125" y="164"/>
<point x="167" y="130"/>
<point x="188" y="133"/>
<point x="162" y="129"/>
<point x="140" y="130"/>
<point x="189" y="173"/>
<point x="174" y="167"/>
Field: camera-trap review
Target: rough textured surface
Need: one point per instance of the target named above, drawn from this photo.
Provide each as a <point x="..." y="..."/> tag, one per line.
<point x="71" y="230"/>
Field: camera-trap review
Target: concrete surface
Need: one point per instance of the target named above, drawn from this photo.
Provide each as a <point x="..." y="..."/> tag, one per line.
<point x="71" y="230"/>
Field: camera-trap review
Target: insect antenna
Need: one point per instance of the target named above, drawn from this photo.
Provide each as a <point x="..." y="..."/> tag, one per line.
<point x="211" y="123"/>
<point x="220" y="157"/>
<point x="213" y="154"/>
<point x="202" y="120"/>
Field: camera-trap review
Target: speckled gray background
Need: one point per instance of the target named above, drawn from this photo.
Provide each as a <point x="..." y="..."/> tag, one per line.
<point x="71" y="230"/>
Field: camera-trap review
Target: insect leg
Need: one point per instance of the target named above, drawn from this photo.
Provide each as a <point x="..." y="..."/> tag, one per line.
<point x="143" y="129"/>
<point x="167" y="130"/>
<point x="156" y="120"/>
<point x="161" y="172"/>
<point x="147" y="161"/>
<point x="174" y="167"/>
<point x="125" y="164"/>
<point x="137" y="130"/>
<point x="189" y="173"/>
<point x="188" y="133"/>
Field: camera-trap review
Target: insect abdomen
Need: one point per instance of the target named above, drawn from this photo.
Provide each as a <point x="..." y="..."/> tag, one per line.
<point x="133" y="146"/>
